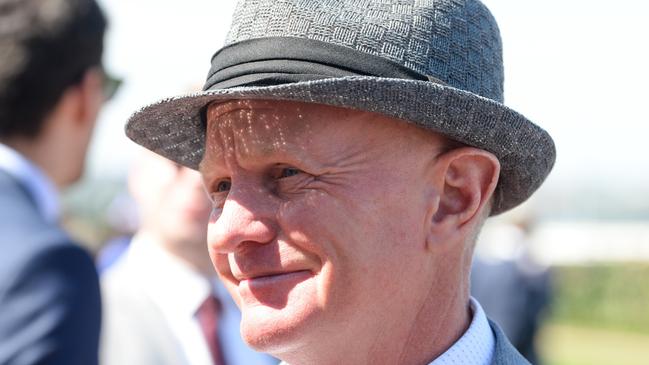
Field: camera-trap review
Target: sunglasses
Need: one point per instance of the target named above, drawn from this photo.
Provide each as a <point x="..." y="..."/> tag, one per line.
<point x="110" y="84"/>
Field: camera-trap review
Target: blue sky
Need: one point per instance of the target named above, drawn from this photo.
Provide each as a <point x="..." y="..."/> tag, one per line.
<point x="578" y="68"/>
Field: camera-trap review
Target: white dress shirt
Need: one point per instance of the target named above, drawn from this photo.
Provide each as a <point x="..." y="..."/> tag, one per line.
<point x="40" y="187"/>
<point x="179" y="291"/>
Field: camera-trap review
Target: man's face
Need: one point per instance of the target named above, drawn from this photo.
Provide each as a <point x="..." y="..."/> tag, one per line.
<point x="173" y="204"/>
<point x="184" y="208"/>
<point x="317" y="227"/>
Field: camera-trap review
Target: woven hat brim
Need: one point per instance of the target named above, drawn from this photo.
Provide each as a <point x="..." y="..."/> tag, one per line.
<point x="173" y="127"/>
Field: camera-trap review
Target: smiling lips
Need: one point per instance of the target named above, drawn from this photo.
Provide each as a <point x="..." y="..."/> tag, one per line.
<point x="272" y="289"/>
<point x="275" y="283"/>
<point x="271" y="276"/>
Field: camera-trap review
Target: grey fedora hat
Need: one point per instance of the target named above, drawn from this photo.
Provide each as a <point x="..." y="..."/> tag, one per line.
<point x="434" y="63"/>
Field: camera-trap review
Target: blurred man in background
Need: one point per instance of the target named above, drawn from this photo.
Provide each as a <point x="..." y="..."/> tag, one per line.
<point x="163" y="301"/>
<point x="512" y="286"/>
<point x="51" y="90"/>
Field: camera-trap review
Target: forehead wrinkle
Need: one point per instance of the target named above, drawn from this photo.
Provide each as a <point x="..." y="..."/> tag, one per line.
<point x="373" y="137"/>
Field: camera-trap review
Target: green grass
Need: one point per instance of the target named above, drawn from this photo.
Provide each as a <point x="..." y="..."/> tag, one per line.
<point x="573" y="345"/>
<point x="599" y="316"/>
<point x="612" y="296"/>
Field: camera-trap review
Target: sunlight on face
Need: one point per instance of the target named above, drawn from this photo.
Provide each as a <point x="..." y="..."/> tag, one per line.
<point x="317" y="216"/>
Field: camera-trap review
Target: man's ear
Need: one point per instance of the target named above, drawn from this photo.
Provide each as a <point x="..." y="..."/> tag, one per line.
<point x="81" y="102"/>
<point x="91" y="95"/>
<point x="465" y="179"/>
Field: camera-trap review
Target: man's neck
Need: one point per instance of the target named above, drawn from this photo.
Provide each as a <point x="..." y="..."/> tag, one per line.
<point x="416" y="339"/>
<point x="436" y="334"/>
<point x="37" y="152"/>
<point x="40" y="187"/>
<point x="440" y="318"/>
<point x="436" y="327"/>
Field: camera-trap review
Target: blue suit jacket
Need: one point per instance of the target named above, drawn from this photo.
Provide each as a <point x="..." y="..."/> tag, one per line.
<point x="50" y="310"/>
<point x="505" y="353"/>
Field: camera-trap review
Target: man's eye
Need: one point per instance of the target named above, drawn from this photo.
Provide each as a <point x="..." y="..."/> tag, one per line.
<point x="288" y="172"/>
<point x="223" y="186"/>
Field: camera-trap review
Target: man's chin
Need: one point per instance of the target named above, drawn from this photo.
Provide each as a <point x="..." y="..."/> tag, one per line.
<point x="277" y="330"/>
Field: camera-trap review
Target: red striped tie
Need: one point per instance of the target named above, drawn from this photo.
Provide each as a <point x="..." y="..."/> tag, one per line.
<point x="208" y="315"/>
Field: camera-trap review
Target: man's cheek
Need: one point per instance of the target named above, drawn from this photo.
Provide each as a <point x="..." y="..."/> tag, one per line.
<point x="308" y="220"/>
<point x="324" y="225"/>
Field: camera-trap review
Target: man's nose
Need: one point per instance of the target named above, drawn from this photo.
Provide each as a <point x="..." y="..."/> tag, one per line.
<point x="247" y="217"/>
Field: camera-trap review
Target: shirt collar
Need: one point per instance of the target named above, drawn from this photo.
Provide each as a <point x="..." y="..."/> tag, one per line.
<point x="35" y="181"/>
<point x="476" y="346"/>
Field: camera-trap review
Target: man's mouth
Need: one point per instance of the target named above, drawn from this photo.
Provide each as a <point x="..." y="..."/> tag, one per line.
<point x="271" y="289"/>
<point x="274" y="282"/>
<point x="272" y="276"/>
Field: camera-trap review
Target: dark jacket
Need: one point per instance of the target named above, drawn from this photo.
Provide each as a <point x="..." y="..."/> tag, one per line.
<point x="50" y="309"/>
<point x="505" y="353"/>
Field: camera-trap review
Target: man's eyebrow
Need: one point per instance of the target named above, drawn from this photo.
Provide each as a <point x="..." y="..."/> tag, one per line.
<point x="204" y="165"/>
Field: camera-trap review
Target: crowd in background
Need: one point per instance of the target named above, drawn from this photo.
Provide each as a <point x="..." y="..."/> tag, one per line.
<point x="158" y="299"/>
